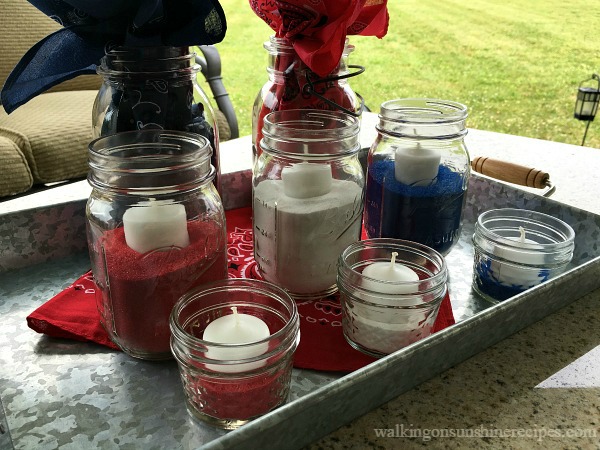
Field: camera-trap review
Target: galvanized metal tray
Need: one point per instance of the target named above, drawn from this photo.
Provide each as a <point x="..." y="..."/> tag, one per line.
<point x="58" y="392"/>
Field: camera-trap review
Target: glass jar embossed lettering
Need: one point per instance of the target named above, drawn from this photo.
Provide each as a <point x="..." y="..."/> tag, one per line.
<point x="153" y="88"/>
<point x="418" y="170"/>
<point x="292" y="85"/>
<point x="307" y="198"/>
<point x="156" y="229"/>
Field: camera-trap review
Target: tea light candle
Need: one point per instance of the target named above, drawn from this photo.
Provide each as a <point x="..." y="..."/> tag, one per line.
<point x="154" y="225"/>
<point x="234" y="329"/>
<point x="520" y="253"/>
<point x="389" y="271"/>
<point x="387" y="330"/>
<point x="416" y="165"/>
<point x="509" y="274"/>
<point x="306" y="180"/>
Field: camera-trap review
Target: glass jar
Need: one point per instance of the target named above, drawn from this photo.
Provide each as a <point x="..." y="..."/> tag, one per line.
<point x="307" y="198"/>
<point x="517" y="249"/>
<point x="418" y="172"/>
<point x="292" y="85"/>
<point x="391" y="291"/>
<point x="153" y="88"/>
<point x="247" y="372"/>
<point x="156" y="229"/>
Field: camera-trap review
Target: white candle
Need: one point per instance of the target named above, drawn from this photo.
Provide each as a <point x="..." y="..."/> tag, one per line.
<point x="385" y="330"/>
<point x="519" y="252"/>
<point x="390" y="271"/>
<point x="416" y="165"/>
<point x="234" y="329"/>
<point x="154" y="225"/>
<point x="306" y="180"/>
<point x="510" y="275"/>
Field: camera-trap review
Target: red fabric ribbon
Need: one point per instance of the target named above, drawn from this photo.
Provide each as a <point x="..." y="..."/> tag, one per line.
<point x="318" y="28"/>
<point x="72" y="314"/>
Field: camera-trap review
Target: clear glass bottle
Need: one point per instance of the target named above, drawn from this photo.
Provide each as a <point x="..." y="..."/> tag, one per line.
<point x="418" y="172"/>
<point x="292" y="85"/>
<point x="153" y="88"/>
<point x="156" y="229"/>
<point x="307" y="198"/>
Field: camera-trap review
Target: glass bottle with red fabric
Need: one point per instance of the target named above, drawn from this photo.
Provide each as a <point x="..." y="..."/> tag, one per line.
<point x="293" y="85"/>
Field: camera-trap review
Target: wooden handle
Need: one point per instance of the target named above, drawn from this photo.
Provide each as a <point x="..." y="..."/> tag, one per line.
<point x="513" y="173"/>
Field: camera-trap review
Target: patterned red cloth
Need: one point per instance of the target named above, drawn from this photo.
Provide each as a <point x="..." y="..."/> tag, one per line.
<point x="318" y="28"/>
<point x="72" y="313"/>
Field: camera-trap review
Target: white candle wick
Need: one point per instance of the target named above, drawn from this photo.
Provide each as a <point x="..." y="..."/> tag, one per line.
<point x="393" y="260"/>
<point x="236" y="316"/>
<point x="522" y="237"/>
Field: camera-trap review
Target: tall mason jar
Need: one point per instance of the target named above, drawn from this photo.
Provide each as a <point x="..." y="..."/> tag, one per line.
<point x="307" y="198"/>
<point x="418" y="172"/>
<point x="155" y="228"/>
<point x="292" y="85"/>
<point x="153" y="88"/>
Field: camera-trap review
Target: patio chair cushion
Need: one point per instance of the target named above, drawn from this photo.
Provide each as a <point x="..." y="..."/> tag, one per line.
<point x="52" y="132"/>
<point x="16" y="176"/>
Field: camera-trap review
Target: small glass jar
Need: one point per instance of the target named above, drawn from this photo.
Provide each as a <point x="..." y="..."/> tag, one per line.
<point x="396" y="304"/>
<point x="153" y="88"/>
<point x="418" y="171"/>
<point x="156" y="229"/>
<point x="307" y="198"/>
<point x="292" y="85"/>
<point x="517" y="249"/>
<point x="237" y="379"/>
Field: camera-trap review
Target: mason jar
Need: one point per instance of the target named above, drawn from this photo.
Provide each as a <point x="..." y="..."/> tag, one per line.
<point x="292" y="85"/>
<point x="153" y="88"/>
<point x="417" y="173"/>
<point x="391" y="291"/>
<point x="155" y="229"/>
<point x="307" y="198"/>
<point x="518" y="249"/>
<point x="234" y="341"/>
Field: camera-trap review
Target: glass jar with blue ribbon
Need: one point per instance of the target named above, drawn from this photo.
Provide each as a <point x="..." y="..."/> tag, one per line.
<point x="418" y="170"/>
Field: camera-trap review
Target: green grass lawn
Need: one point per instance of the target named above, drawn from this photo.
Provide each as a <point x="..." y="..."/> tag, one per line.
<point x="516" y="64"/>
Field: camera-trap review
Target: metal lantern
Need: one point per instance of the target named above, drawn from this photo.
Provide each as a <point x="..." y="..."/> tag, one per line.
<point x="586" y="106"/>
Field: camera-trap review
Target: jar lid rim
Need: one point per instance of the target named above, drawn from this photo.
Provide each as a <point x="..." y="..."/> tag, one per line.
<point x="423" y="111"/>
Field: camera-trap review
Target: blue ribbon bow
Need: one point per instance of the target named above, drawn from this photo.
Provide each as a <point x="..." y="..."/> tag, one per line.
<point x="91" y="27"/>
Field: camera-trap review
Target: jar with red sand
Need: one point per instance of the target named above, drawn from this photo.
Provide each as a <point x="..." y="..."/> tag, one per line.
<point x="156" y="230"/>
<point x="234" y="341"/>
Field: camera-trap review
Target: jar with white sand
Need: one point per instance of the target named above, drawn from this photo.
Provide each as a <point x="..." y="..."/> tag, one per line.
<point x="308" y="190"/>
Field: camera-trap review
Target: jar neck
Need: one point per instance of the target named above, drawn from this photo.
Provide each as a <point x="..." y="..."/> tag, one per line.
<point x="423" y="119"/>
<point x="150" y="162"/>
<point x="422" y="258"/>
<point x="310" y="134"/>
<point x="150" y="62"/>
<point x="284" y="62"/>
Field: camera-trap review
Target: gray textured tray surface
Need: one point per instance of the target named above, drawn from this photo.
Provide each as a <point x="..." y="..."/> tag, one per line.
<point x="78" y="395"/>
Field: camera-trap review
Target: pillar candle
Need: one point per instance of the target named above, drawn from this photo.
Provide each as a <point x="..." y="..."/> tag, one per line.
<point x="155" y="224"/>
<point x="416" y="165"/>
<point x="306" y="180"/>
